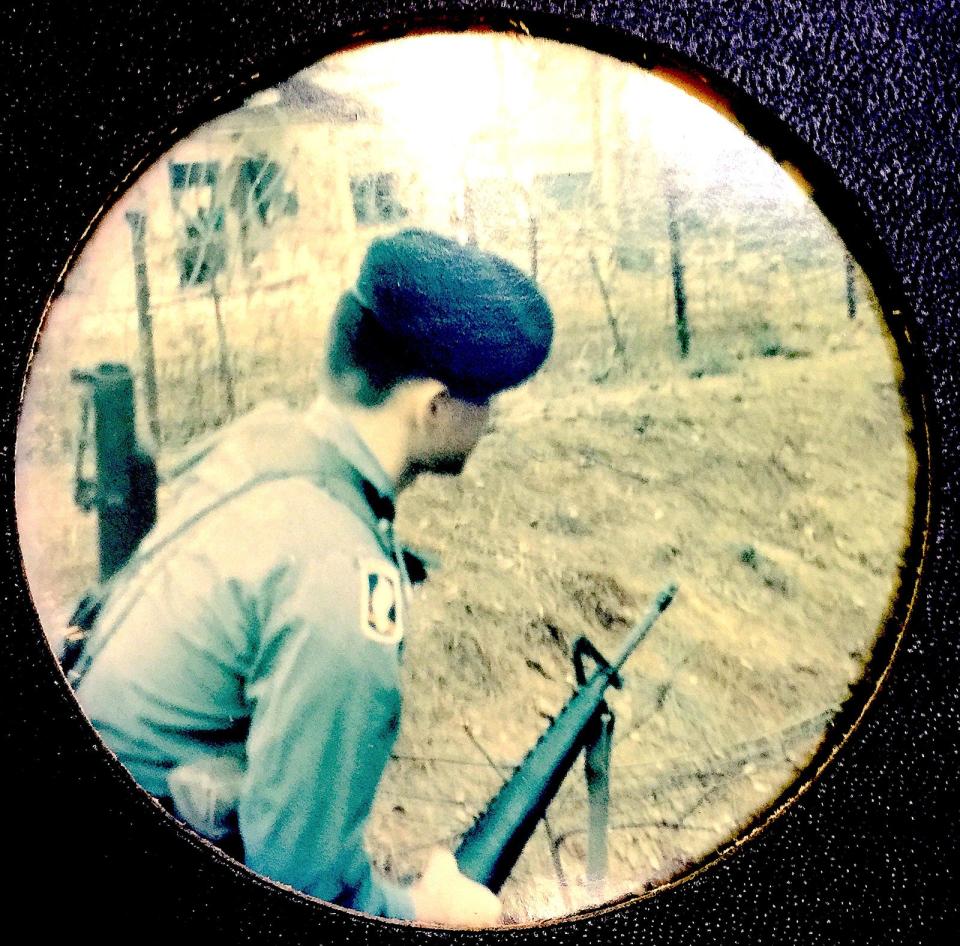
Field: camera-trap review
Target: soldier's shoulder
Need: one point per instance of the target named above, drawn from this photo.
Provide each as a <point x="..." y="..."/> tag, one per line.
<point x="298" y="514"/>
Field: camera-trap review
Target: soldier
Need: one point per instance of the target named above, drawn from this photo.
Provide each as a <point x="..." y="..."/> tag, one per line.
<point x="244" y="665"/>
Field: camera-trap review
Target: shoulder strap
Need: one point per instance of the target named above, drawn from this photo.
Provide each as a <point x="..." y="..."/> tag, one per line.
<point x="327" y="468"/>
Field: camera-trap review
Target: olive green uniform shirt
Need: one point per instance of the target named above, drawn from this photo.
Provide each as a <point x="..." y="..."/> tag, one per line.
<point x="262" y="620"/>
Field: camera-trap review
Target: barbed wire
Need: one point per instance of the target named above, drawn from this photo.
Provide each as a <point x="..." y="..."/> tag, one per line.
<point x="723" y="762"/>
<point x="650" y="797"/>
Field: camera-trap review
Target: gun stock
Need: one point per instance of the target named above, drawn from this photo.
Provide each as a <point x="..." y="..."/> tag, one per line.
<point x="491" y="847"/>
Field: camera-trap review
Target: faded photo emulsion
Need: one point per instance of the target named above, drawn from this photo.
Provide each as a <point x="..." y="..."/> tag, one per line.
<point x="466" y="482"/>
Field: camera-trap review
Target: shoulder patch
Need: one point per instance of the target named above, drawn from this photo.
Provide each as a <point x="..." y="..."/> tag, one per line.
<point x="381" y="602"/>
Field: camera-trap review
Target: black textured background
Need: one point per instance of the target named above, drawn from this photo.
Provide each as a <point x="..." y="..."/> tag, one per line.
<point x="869" y="854"/>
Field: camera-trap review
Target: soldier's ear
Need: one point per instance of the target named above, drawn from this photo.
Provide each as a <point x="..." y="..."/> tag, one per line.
<point x="428" y="396"/>
<point x="437" y="394"/>
<point x="438" y="400"/>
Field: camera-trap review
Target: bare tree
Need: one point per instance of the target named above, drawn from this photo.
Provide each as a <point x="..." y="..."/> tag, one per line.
<point x="676" y="264"/>
<point x="138" y="230"/>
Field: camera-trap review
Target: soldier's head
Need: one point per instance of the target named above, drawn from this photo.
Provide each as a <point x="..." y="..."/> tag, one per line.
<point x="430" y="333"/>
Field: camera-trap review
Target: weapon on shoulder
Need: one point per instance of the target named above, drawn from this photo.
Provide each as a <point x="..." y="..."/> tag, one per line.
<point x="491" y="847"/>
<point x="123" y="487"/>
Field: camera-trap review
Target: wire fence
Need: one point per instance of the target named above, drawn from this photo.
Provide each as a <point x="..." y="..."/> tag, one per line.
<point x="647" y="797"/>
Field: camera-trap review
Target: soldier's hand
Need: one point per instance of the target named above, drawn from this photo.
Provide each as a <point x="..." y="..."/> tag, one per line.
<point x="445" y="896"/>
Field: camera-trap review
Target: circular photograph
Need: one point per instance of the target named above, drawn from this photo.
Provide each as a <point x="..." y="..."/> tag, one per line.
<point x="468" y="482"/>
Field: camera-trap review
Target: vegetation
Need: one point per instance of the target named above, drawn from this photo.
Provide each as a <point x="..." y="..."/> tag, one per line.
<point x="766" y="470"/>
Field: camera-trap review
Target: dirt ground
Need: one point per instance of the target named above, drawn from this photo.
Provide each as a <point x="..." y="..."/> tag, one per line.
<point x="769" y="474"/>
<point x="774" y="489"/>
<point x="775" y="496"/>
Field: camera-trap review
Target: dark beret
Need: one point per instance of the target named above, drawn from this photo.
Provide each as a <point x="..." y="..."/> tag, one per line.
<point x="458" y="314"/>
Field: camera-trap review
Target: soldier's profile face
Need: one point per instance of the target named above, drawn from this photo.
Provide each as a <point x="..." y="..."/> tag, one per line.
<point x="455" y="430"/>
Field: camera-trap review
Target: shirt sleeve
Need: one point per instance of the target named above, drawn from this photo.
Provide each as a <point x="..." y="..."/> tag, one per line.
<point x="325" y="706"/>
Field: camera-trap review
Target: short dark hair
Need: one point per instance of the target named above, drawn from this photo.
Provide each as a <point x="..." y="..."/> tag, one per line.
<point x="364" y="363"/>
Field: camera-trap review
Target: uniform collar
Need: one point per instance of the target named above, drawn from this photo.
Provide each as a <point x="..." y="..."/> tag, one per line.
<point x="330" y="423"/>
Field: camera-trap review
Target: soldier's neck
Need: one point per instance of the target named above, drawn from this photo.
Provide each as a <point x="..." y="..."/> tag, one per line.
<point x="385" y="436"/>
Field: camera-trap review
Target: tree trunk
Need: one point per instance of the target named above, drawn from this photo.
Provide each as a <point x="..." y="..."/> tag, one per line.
<point x="619" y="348"/>
<point x="138" y="230"/>
<point x="676" y="269"/>
<point x="851" y="286"/>
<point x="534" y="246"/>
<point x="223" y="351"/>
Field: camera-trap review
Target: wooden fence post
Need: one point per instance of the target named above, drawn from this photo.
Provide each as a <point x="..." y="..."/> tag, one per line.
<point x="851" y="286"/>
<point x="138" y="228"/>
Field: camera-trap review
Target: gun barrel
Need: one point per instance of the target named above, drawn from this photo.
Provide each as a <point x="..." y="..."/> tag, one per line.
<point x="641" y="629"/>
<point x="491" y="847"/>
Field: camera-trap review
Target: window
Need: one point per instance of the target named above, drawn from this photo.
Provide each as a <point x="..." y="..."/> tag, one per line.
<point x="193" y="174"/>
<point x="259" y="188"/>
<point x="375" y="199"/>
<point x="567" y="191"/>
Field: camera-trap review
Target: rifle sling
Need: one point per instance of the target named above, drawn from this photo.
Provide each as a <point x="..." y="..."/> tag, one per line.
<point x="330" y="471"/>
